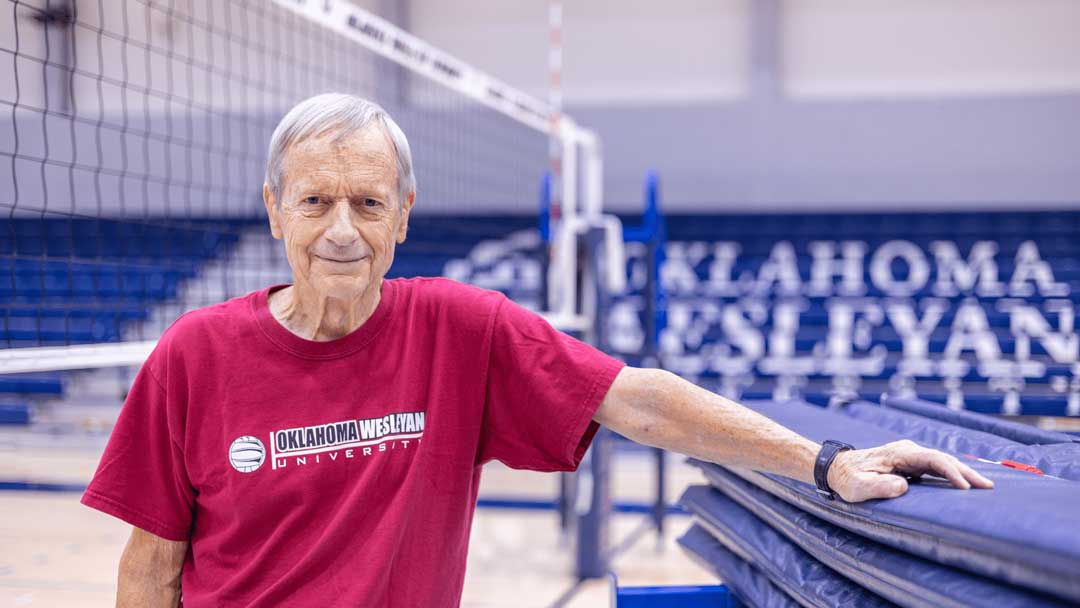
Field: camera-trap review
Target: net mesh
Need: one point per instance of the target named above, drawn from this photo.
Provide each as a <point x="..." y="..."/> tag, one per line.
<point x="133" y="143"/>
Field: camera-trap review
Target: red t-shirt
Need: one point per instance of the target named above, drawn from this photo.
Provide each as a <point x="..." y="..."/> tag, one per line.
<point x="342" y="473"/>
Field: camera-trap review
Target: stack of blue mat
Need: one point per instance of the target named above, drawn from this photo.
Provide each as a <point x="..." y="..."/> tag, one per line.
<point x="774" y="542"/>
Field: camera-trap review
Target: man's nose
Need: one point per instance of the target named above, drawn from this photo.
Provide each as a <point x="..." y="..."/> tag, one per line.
<point x="341" y="232"/>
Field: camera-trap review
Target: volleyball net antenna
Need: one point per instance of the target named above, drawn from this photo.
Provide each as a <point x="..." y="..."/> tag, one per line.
<point x="133" y="143"/>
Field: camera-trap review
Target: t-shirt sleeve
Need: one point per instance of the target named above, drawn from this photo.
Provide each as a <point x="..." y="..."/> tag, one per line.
<point x="543" y="388"/>
<point x="142" y="478"/>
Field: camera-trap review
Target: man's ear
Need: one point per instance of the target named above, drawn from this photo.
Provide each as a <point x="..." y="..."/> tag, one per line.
<point x="403" y="227"/>
<point x="271" y="211"/>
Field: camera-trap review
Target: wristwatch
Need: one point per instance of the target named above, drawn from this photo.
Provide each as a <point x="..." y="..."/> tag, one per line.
<point x="825" y="457"/>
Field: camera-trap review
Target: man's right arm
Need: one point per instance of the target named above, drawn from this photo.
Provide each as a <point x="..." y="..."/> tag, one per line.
<point x="150" y="571"/>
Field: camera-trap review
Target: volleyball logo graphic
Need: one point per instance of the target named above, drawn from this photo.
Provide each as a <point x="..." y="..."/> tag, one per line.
<point x="246" y="454"/>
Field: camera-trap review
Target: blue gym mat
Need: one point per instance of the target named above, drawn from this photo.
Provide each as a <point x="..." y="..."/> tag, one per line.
<point x="1020" y="433"/>
<point x="745" y="581"/>
<point x="1023" y="532"/>
<point x="805" y="579"/>
<point x="902" y="578"/>
<point x="1059" y="459"/>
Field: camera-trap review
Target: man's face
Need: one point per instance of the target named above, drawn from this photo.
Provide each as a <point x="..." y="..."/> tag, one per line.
<point x="340" y="214"/>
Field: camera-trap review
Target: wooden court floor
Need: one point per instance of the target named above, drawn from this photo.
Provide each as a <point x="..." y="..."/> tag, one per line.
<point x="57" y="552"/>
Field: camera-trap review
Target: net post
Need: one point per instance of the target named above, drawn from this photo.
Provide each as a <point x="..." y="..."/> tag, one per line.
<point x="655" y="321"/>
<point x="594" y="501"/>
<point x="594" y="510"/>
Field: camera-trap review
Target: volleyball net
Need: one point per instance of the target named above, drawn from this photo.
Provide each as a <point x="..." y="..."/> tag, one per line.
<point x="133" y="144"/>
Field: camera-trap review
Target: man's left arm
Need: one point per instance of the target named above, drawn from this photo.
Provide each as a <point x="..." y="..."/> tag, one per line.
<point x="658" y="408"/>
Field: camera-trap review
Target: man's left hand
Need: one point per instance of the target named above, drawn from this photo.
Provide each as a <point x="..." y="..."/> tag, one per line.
<point x="858" y="475"/>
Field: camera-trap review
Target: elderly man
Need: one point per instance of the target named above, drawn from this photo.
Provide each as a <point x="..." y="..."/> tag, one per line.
<point x="320" y="443"/>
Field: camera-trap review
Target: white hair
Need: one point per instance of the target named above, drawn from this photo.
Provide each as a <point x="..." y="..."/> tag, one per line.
<point x="345" y="114"/>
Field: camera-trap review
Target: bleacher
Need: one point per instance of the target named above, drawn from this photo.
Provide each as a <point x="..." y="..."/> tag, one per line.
<point x="1008" y="368"/>
<point x="84" y="281"/>
<point x="1025" y="370"/>
<point x="81" y="281"/>
<point x="71" y="261"/>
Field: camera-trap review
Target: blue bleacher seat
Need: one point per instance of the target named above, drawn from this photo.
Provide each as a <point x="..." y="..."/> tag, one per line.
<point x="15" y="414"/>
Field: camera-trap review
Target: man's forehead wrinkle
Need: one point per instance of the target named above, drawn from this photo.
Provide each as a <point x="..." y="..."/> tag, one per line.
<point x="326" y="181"/>
<point x="374" y="132"/>
<point x="347" y="152"/>
<point x="320" y="160"/>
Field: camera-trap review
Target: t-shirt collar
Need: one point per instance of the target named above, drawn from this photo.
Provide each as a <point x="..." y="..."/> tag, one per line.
<point x="312" y="349"/>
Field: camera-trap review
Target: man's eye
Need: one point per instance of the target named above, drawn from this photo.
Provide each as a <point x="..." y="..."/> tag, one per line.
<point x="313" y="200"/>
<point x="370" y="202"/>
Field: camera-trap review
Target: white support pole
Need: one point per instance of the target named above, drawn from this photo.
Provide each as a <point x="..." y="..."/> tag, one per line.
<point x="592" y="172"/>
<point x="570" y="137"/>
<point x="563" y="270"/>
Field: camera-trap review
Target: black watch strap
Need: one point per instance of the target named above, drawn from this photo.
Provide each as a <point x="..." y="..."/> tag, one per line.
<point x="825" y="458"/>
